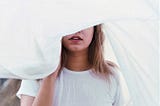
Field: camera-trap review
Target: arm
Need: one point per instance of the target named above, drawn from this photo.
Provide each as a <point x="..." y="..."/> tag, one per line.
<point x="27" y="100"/>
<point x="45" y="93"/>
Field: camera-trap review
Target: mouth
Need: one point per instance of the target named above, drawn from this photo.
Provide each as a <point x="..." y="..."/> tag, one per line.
<point x="75" y="38"/>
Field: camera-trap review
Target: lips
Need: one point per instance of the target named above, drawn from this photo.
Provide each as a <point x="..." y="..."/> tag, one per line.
<point x="75" y="38"/>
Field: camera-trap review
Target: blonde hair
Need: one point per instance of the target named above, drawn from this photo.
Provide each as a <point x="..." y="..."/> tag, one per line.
<point x="95" y="55"/>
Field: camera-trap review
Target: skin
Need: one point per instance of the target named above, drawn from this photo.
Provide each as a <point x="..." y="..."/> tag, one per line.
<point x="77" y="60"/>
<point x="78" y="51"/>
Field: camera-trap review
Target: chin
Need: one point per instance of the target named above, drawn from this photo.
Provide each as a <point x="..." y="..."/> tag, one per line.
<point x="78" y="50"/>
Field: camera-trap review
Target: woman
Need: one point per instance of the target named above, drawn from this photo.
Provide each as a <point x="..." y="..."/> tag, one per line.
<point x="83" y="77"/>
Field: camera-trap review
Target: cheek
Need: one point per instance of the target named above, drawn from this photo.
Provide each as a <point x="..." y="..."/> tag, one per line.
<point x="89" y="34"/>
<point x="64" y="42"/>
<point x="87" y="42"/>
<point x="89" y="38"/>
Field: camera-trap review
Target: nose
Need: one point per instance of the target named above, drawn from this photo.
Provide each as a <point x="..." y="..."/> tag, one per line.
<point x="79" y="32"/>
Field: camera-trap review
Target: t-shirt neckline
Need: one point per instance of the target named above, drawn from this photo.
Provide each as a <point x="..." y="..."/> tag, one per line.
<point x="66" y="70"/>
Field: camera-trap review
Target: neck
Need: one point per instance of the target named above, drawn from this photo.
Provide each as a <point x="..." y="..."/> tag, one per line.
<point x="77" y="61"/>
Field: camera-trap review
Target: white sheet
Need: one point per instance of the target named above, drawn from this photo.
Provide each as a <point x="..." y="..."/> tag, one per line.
<point x="31" y="31"/>
<point x="135" y="45"/>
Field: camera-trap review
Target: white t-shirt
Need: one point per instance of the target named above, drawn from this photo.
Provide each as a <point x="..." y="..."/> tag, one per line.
<point x="83" y="89"/>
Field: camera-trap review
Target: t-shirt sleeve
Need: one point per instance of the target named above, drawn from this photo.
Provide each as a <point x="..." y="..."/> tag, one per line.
<point x="28" y="87"/>
<point x="122" y="96"/>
